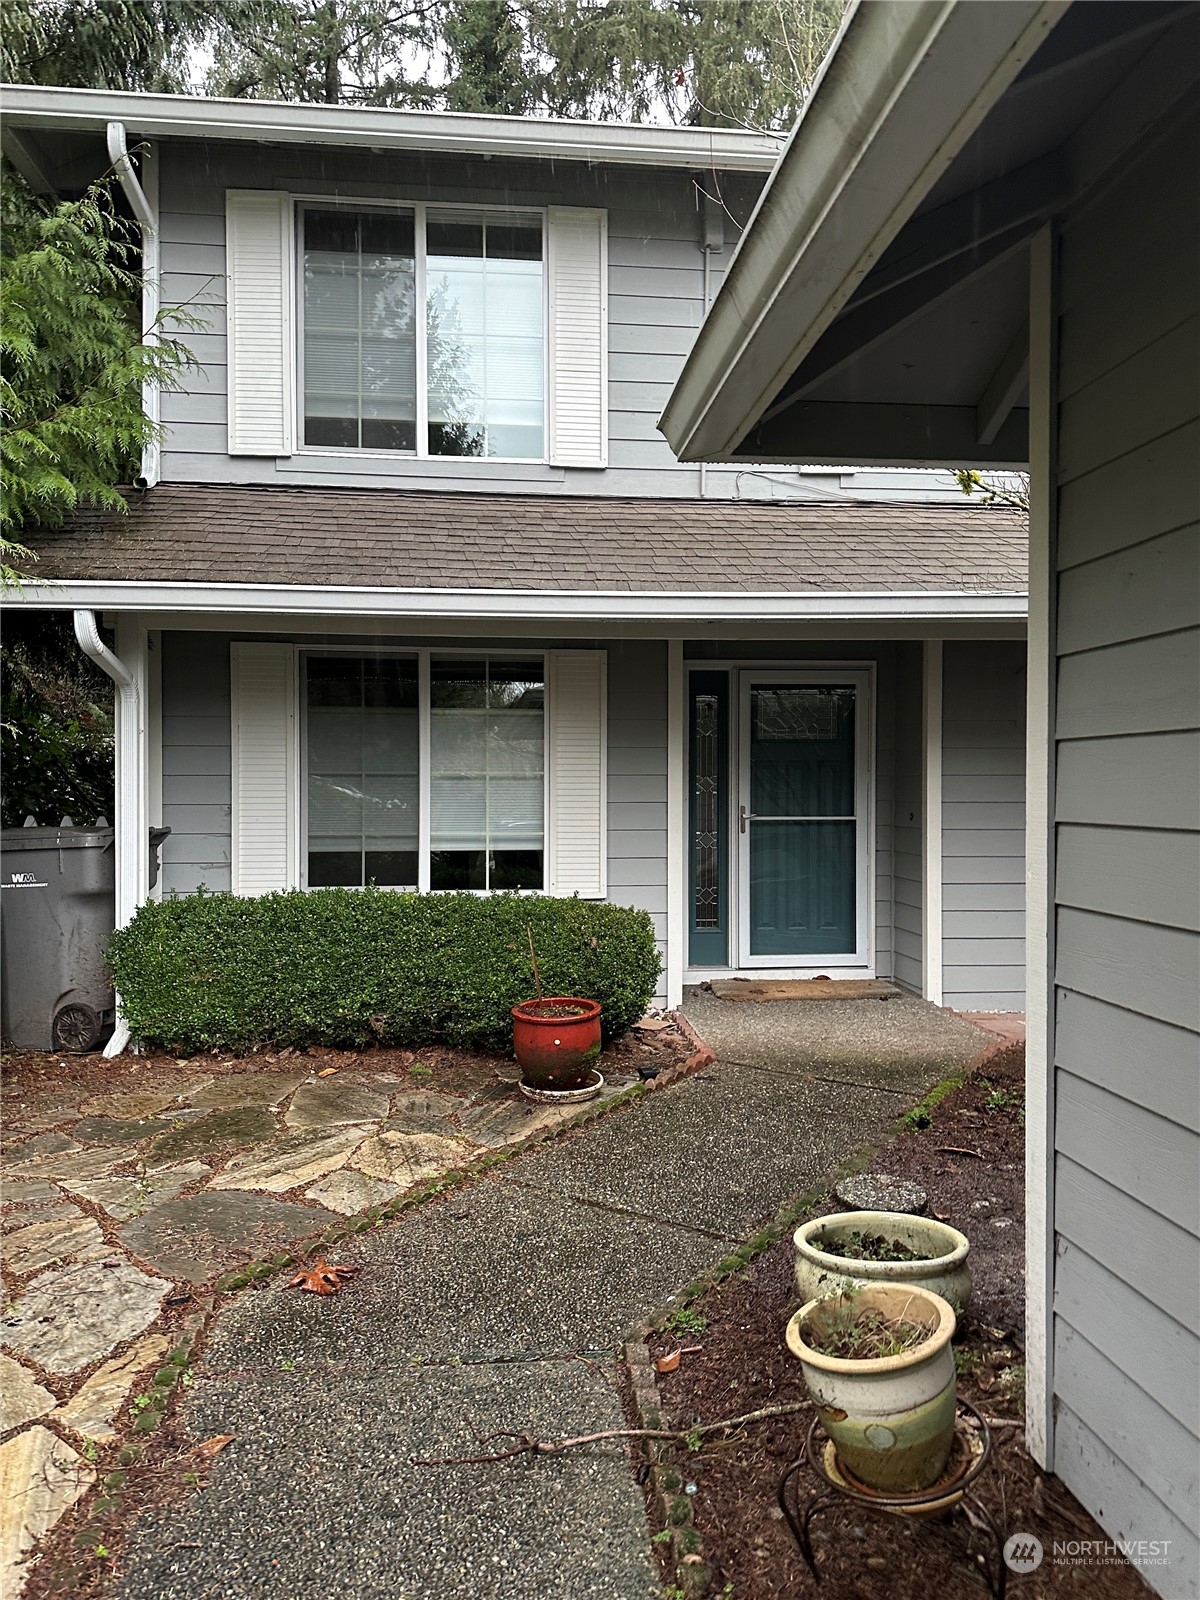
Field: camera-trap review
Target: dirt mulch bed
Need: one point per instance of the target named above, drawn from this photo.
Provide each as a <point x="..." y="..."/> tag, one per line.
<point x="967" y="1152"/>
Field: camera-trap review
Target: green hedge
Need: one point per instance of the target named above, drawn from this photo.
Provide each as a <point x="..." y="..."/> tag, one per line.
<point x="348" y="967"/>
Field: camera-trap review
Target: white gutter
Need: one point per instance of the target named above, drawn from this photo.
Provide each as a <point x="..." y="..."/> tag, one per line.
<point x="906" y="86"/>
<point x="131" y="838"/>
<point x="145" y="209"/>
<point x="165" y="116"/>
<point x="591" y="605"/>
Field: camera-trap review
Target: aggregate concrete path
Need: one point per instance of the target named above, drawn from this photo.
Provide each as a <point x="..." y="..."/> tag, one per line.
<point x="502" y="1306"/>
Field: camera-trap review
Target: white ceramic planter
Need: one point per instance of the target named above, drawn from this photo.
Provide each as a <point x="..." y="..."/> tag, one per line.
<point x="891" y="1419"/>
<point x="943" y="1270"/>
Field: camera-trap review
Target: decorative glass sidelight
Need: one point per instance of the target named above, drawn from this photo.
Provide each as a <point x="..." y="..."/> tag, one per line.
<point x="708" y="828"/>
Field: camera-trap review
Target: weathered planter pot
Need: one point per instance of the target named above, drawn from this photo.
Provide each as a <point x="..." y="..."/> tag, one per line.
<point x="820" y="1270"/>
<point x="891" y="1418"/>
<point x="556" y="1052"/>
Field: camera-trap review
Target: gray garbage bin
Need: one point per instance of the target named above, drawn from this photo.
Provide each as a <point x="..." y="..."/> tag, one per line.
<point x="56" y="913"/>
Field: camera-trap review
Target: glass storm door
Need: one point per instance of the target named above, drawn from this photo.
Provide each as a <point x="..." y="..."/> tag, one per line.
<point x="801" y="822"/>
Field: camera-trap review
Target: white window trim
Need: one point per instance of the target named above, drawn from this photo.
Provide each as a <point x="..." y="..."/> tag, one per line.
<point x="423" y="655"/>
<point x="419" y="208"/>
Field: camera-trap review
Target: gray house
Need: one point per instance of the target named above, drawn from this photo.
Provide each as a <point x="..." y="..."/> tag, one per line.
<point x="415" y="593"/>
<point x="982" y="246"/>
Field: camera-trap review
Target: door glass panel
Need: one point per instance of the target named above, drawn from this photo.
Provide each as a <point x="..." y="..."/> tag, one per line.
<point x="802" y="829"/>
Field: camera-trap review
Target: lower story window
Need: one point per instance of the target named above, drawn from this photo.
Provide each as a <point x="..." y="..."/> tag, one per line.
<point x="484" y="781"/>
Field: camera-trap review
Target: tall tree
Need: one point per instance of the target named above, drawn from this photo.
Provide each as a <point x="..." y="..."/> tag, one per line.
<point x="109" y="44"/>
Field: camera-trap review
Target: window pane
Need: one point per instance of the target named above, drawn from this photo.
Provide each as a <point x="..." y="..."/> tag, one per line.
<point x="363" y="790"/>
<point x="360" y="330"/>
<point x="484" y="322"/>
<point x="487" y="754"/>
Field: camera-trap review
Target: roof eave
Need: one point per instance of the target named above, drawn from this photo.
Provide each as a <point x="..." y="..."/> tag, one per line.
<point x="907" y="85"/>
<point x="162" y="116"/>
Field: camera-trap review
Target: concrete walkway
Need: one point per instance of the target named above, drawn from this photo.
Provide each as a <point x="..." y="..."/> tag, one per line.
<point x="502" y="1307"/>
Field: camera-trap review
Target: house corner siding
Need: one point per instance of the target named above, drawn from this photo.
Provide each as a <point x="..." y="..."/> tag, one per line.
<point x="983" y="825"/>
<point x="1127" y="900"/>
<point x="637" y="782"/>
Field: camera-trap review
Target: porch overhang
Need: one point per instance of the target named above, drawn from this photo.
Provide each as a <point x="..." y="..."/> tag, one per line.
<point x="876" y="310"/>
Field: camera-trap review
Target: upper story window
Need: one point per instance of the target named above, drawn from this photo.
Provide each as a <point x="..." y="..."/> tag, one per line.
<point x="424" y="331"/>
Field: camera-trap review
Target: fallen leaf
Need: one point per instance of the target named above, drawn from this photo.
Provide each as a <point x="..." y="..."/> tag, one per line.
<point x="321" y="1278"/>
<point x="326" y="1072"/>
<point x="669" y="1362"/>
<point x="211" y="1447"/>
<point x="692" y="1561"/>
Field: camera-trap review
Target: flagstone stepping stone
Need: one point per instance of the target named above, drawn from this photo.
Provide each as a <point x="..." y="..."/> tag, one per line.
<point x="71" y="1316"/>
<point x="201" y="1234"/>
<point x="39" y="1244"/>
<point x="248" y="1089"/>
<point x="292" y="1161"/>
<point x="232" y="1129"/>
<point x="40" y="1479"/>
<point x="116" y="1130"/>
<point x="878" y="1191"/>
<point x="22" y="1189"/>
<point x="46" y="1144"/>
<point x="147" y="1098"/>
<point x="20" y="1120"/>
<point x="124" y="1198"/>
<point x="90" y="1411"/>
<point x="48" y="1211"/>
<point x="348" y="1192"/>
<point x="326" y="1104"/>
<point x="75" y="1164"/>
<point x="501" y="1117"/>
<point x="22" y="1397"/>
<point x="407" y="1158"/>
<point x="423" y="1111"/>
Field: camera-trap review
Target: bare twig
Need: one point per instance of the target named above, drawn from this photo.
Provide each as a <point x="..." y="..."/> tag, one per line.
<point x="527" y="1445"/>
<point x="957" y="1150"/>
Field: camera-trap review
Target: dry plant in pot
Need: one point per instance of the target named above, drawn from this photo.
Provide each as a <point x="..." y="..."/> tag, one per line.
<point x="556" y="1040"/>
<point x="878" y="1364"/>
<point x="848" y="1248"/>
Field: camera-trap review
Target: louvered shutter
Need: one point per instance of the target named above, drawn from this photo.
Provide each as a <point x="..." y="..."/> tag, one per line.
<point x="265" y="776"/>
<point x="576" y="755"/>
<point x="260" y="291"/>
<point x="577" y="267"/>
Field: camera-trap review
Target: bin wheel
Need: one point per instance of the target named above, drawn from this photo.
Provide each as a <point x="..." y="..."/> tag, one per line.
<point x="76" y="1028"/>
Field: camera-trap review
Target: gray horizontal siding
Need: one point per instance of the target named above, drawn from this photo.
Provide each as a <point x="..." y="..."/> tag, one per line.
<point x="656" y="305"/>
<point x="908" y="863"/>
<point x="983" y="825"/>
<point x="196" y="763"/>
<point x="637" y="781"/>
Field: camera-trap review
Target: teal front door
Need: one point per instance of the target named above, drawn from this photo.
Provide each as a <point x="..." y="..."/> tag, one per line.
<point x="801" y="819"/>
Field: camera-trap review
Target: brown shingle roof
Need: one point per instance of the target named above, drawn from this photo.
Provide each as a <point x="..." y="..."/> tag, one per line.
<point x="195" y="533"/>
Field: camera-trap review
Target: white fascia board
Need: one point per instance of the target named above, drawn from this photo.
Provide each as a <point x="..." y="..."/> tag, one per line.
<point x="166" y="116"/>
<point x="906" y="86"/>
<point x="593" y="605"/>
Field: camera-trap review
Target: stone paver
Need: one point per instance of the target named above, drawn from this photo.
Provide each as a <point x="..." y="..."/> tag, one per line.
<point x="325" y="1105"/>
<point x="502" y="1116"/>
<point x="248" y="1089"/>
<point x="877" y="1191"/>
<point x="351" y="1192"/>
<point x="71" y="1316"/>
<point x="77" y="1163"/>
<point x="90" y="1411"/>
<point x="124" y="1198"/>
<point x="201" y="1234"/>
<point x="22" y="1397"/>
<point x="292" y="1161"/>
<point x="118" y="1130"/>
<point x="40" y="1479"/>
<point x="55" y="1209"/>
<point x="215" y="1134"/>
<point x="44" y="1144"/>
<point x="424" y="1111"/>
<point x="22" y="1189"/>
<point x="407" y="1158"/>
<point x="146" y="1098"/>
<point x="38" y="1245"/>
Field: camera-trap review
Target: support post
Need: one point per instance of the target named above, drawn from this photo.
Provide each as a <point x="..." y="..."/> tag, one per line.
<point x="677" y="922"/>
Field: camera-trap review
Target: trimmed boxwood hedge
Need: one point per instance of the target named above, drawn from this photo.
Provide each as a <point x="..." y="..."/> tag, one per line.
<point x="350" y="967"/>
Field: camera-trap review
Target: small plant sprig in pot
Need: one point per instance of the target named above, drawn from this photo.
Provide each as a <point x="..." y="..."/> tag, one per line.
<point x="849" y="1248"/>
<point x="878" y="1364"/>
<point x="556" y="1038"/>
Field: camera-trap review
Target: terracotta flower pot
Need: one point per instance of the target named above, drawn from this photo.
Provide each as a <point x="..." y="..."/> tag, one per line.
<point x="556" y="1041"/>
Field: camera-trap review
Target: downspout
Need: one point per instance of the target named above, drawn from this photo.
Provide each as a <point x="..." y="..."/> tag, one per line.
<point x="145" y="209"/>
<point x="128" y="828"/>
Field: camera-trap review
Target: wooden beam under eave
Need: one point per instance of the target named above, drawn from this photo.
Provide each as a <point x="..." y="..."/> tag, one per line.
<point x="1004" y="388"/>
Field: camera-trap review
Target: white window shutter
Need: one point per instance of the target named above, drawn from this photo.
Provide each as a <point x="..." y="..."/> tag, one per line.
<point x="265" y="773"/>
<point x="260" y="292"/>
<point x="577" y="270"/>
<point x="577" y="725"/>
